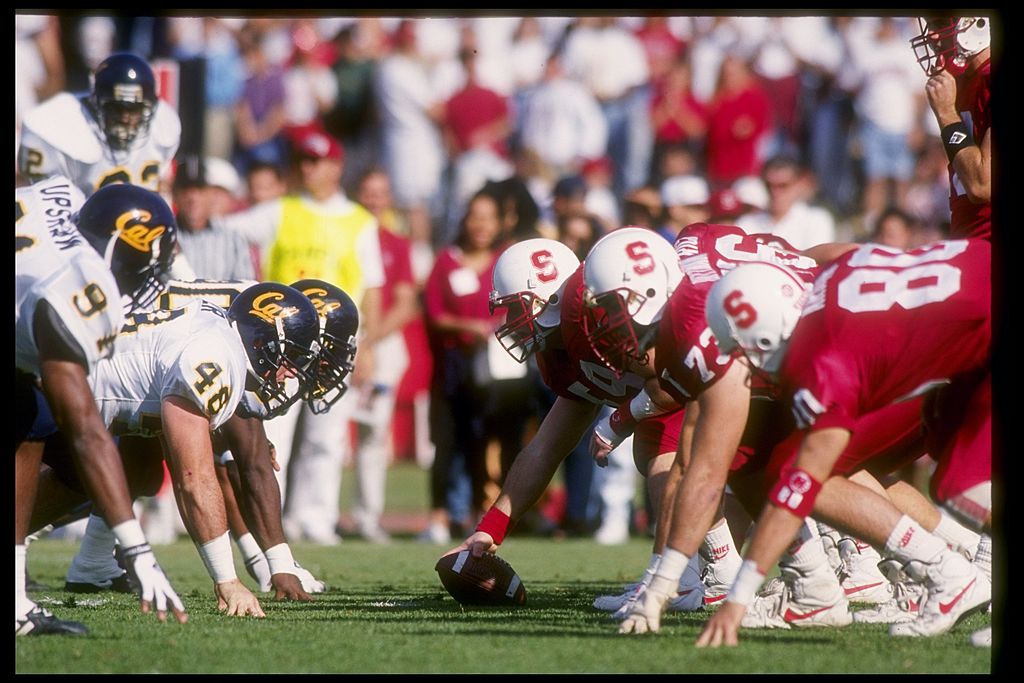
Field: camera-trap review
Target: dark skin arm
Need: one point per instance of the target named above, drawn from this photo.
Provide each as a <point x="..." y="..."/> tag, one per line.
<point x="259" y="496"/>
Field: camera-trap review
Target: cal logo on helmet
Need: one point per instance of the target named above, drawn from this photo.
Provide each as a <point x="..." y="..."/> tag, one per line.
<point x="264" y="308"/>
<point x="316" y="295"/>
<point x="132" y="229"/>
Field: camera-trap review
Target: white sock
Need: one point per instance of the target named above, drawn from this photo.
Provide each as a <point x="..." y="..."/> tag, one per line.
<point x="956" y="535"/>
<point x="248" y="546"/>
<point x="806" y="554"/>
<point x="718" y="543"/>
<point x="22" y="603"/>
<point x="909" y="541"/>
<point x="96" y="554"/>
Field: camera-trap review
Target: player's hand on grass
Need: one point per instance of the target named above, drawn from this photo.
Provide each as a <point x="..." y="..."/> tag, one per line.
<point x="723" y="627"/>
<point x="310" y="583"/>
<point x="478" y="543"/>
<point x="235" y="600"/>
<point x="154" y="588"/>
<point x="645" y="616"/>
<point x="288" y="587"/>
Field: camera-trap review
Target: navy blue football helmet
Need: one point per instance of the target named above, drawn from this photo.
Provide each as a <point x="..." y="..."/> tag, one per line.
<point x="339" y="322"/>
<point x="280" y="329"/>
<point x="123" y="98"/>
<point x="135" y="232"/>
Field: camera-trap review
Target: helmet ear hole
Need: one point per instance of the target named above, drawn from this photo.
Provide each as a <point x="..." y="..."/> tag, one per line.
<point x="650" y="292"/>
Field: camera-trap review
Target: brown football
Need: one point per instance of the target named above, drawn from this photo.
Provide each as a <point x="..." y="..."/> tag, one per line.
<point x="484" y="580"/>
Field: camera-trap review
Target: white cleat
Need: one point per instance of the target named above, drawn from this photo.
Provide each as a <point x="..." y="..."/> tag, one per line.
<point x="814" y="600"/>
<point x="717" y="577"/>
<point x="904" y="604"/>
<point x="955" y="588"/>
<point x="859" y="575"/>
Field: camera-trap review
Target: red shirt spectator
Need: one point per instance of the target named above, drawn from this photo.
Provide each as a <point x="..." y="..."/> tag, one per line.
<point x="738" y="116"/>
<point x="677" y="114"/>
<point x="476" y="116"/>
<point x="660" y="45"/>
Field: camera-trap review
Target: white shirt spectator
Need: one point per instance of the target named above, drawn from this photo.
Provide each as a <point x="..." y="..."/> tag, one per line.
<point x="890" y="82"/>
<point x="803" y="226"/>
<point x="562" y="123"/>
<point x="608" y="60"/>
<point x="306" y="87"/>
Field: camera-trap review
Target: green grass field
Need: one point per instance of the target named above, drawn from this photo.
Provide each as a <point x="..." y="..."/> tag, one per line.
<point x="387" y="612"/>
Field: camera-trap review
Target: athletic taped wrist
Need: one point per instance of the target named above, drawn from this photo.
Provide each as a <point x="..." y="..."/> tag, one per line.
<point x="217" y="557"/>
<point x="955" y="138"/>
<point x="280" y="559"/>
<point x="795" y="491"/>
<point x="496" y="523"/>
<point x="744" y="587"/>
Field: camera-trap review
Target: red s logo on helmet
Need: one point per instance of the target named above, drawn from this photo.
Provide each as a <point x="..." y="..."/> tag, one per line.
<point x="638" y="252"/>
<point x="740" y="311"/>
<point x="544" y="264"/>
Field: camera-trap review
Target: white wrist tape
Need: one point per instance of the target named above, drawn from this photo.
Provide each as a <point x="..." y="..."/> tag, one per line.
<point x="642" y="407"/>
<point x="744" y="587"/>
<point x="673" y="564"/>
<point x="280" y="559"/>
<point x="217" y="557"/>
<point x="129" y="533"/>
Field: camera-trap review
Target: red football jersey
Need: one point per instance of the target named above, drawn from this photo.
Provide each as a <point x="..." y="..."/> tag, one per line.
<point x="882" y="325"/>
<point x="687" y="358"/>
<point x="967" y="218"/>
<point x="575" y="371"/>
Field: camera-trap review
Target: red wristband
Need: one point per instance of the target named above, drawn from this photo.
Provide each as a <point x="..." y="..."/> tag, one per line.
<point x="622" y="421"/>
<point x="495" y="523"/>
<point x="795" y="491"/>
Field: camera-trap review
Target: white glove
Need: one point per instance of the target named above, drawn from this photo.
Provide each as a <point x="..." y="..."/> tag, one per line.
<point x="310" y="583"/>
<point x="603" y="441"/>
<point x="646" y="613"/>
<point x="259" y="570"/>
<point x="154" y="586"/>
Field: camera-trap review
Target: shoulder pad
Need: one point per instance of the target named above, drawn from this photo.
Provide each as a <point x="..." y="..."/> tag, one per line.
<point x="166" y="126"/>
<point x="61" y="123"/>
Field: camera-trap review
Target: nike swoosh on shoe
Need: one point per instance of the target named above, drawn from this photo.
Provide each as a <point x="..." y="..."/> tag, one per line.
<point x="945" y="607"/>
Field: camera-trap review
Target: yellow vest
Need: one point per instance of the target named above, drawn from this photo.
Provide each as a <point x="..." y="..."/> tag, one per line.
<point x="309" y="244"/>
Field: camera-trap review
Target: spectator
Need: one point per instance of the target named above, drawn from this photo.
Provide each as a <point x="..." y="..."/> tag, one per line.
<point x="226" y="191"/>
<point x="642" y="208"/>
<point x="460" y="325"/>
<point x="661" y="47"/>
<point x="260" y="112"/>
<point x="318" y="233"/>
<point x="521" y="215"/>
<point x="888" y="103"/>
<point x="724" y="207"/>
<point x="351" y="120"/>
<point x="214" y="252"/>
<point x="562" y="125"/>
<point x="678" y="117"/>
<point x="309" y="86"/>
<point x="739" y="115"/>
<point x="409" y="114"/>
<point x="896" y="229"/>
<point x="611" y="63"/>
<point x="579" y="232"/>
<point x="788" y="214"/>
<point x="265" y="182"/>
<point x="476" y="126"/>
<point x="600" y="201"/>
<point x="686" y="201"/>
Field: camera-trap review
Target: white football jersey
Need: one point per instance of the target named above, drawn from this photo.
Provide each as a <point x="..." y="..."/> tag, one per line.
<point x="61" y="136"/>
<point x="190" y="352"/>
<point x="53" y="262"/>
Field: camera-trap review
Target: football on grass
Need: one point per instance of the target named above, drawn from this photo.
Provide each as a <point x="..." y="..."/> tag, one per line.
<point x="484" y="580"/>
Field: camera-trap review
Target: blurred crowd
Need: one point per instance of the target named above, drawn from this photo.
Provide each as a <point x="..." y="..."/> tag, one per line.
<point x="462" y="135"/>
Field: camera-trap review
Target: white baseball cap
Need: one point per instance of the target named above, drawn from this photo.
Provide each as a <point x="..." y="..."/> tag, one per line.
<point x="684" y="190"/>
<point x="220" y="173"/>
<point x="751" y="191"/>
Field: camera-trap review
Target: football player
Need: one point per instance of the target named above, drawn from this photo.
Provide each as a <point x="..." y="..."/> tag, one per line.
<point x="119" y="132"/>
<point x="880" y="326"/>
<point x="539" y="283"/>
<point x="68" y="309"/>
<point x="180" y="374"/>
<point x="955" y="53"/>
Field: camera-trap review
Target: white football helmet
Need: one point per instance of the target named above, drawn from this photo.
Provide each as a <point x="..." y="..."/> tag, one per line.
<point x="529" y="282"/>
<point x="754" y="308"/>
<point x="629" y="275"/>
<point x="948" y="42"/>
